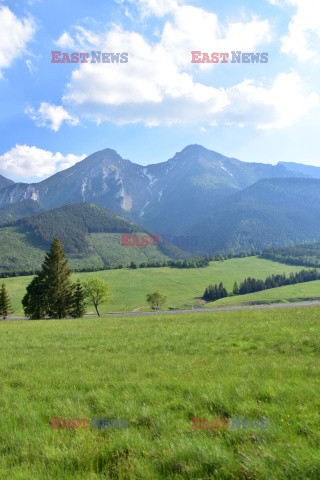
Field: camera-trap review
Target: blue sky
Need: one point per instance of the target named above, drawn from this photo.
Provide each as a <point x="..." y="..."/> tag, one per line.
<point x="53" y="115"/>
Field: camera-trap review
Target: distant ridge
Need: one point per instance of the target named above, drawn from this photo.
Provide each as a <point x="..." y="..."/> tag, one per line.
<point x="176" y="196"/>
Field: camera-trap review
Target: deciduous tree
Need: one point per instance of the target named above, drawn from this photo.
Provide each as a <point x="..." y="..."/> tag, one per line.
<point x="156" y="299"/>
<point x="97" y="291"/>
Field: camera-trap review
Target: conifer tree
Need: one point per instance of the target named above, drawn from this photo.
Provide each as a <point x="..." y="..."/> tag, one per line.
<point x="50" y="292"/>
<point x="78" y="301"/>
<point x="215" y="295"/>
<point x="58" y="284"/>
<point x="35" y="300"/>
<point x="5" y="302"/>
<point x="222" y="292"/>
<point x="235" y="289"/>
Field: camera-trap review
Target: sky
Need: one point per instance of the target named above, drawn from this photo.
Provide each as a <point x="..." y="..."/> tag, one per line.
<point x="53" y="115"/>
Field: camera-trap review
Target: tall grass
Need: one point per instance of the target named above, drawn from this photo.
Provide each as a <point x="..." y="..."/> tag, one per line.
<point x="159" y="372"/>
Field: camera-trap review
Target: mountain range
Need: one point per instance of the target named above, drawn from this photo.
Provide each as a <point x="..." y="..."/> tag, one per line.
<point x="229" y="204"/>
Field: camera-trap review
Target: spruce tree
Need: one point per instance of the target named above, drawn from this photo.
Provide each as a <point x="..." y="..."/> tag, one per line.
<point x="58" y="284"/>
<point x="78" y="301"/>
<point x="222" y="292"/>
<point x="215" y="293"/>
<point x="35" y="300"/>
<point x="5" y="302"/>
<point x="50" y="292"/>
<point x="235" y="289"/>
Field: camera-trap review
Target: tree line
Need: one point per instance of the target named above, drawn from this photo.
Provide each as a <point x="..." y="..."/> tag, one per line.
<point x="251" y="285"/>
<point x="307" y="255"/>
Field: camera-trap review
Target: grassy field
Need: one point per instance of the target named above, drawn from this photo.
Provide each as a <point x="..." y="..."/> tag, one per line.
<point x="282" y="294"/>
<point x="159" y="372"/>
<point x="183" y="287"/>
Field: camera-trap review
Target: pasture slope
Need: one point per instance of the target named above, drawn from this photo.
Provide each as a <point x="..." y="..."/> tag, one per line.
<point x="159" y="372"/>
<point x="183" y="287"/>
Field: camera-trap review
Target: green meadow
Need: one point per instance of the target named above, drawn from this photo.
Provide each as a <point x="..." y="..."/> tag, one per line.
<point x="183" y="287"/>
<point x="159" y="372"/>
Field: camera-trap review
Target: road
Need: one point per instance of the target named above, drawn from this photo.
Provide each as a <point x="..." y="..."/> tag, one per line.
<point x="202" y="310"/>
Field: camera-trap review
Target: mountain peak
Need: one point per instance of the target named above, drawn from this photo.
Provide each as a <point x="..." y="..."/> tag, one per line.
<point x="101" y="154"/>
<point x="194" y="153"/>
<point x="194" y="148"/>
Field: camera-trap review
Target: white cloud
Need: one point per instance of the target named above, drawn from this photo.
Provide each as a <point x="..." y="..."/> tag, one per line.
<point x="23" y="162"/>
<point x="51" y="116"/>
<point x="65" y="41"/>
<point x="158" y="8"/>
<point x="303" y="34"/>
<point x="155" y="88"/>
<point x="158" y="85"/>
<point x="275" y="107"/>
<point x="189" y="28"/>
<point x="156" y="95"/>
<point x="81" y="39"/>
<point x="194" y="28"/>
<point x="14" y="35"/>
<point x="30" y="65"/>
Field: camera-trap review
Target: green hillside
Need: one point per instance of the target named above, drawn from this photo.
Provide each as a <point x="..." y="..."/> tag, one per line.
<point x="18" y="210"/>
<point x="158" y="373"/>
<point x="183" y="287"/>
<point x="91" y="236"/>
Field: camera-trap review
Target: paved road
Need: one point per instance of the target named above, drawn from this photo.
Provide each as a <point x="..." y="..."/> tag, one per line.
<point x="202" y="310"/>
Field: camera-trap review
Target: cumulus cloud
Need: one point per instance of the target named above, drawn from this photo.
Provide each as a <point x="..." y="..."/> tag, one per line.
<point x="23" y="162"/>
<point x="274" y="107"/>
<point x="15" y="33"/>
<point x="158" y="86"/>
<point x="193" y="28"/>
<point x="303" y="34"/>
<point x="51" y="116"/>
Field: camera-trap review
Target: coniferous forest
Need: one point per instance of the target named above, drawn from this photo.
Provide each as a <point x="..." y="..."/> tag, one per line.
<point x="307" y="255"/>
<point x="251" y="285"/>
